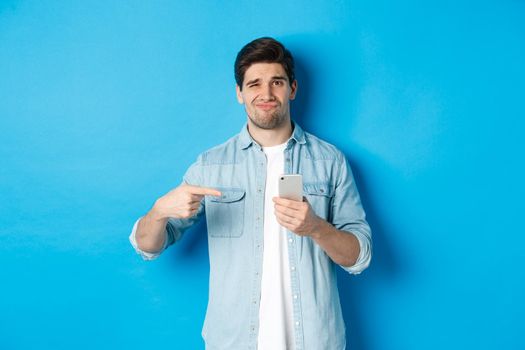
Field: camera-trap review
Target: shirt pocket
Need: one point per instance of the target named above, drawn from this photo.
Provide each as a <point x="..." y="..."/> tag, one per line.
<point x="225" y="214"/>
<point x="319" y="195"/>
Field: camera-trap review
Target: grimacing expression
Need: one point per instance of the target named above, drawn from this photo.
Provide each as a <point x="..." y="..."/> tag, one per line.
<point x="266" y="93"/>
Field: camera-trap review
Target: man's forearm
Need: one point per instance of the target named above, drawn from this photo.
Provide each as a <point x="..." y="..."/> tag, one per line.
<point x="150" y="234"/>
<point x="182" y="202"/>
<point x="341" y="246"/>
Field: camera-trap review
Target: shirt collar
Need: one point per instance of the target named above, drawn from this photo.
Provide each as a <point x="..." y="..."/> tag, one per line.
<point x="246" y="140"/>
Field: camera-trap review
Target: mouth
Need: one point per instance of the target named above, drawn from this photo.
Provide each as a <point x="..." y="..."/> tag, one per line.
<point x="266" y="106"/>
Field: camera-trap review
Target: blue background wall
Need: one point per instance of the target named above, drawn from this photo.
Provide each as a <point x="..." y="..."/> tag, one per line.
<point x="103" y="105"/>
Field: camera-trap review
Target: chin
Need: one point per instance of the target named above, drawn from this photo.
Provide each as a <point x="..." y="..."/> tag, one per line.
<point x="268" y="124"/>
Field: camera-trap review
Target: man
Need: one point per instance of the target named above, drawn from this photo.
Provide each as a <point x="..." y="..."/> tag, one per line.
<point x="272" y="260"/>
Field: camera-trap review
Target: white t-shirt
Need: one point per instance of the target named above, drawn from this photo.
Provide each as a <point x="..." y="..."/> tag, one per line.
<point x="276" y="313"/>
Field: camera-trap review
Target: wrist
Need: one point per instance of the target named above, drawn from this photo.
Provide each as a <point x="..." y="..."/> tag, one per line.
<point x="318" y="229"/>
<point x="156" y="214"/>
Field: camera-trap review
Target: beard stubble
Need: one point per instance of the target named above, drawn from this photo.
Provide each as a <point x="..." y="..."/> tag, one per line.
<point x="273" y="121"/>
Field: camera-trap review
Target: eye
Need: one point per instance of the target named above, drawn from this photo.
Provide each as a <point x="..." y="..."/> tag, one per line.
<point x="278" y="82"/>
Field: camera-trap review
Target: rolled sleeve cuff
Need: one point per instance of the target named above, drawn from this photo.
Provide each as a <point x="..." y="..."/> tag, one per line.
<point x="145" y="255"/>
<point x="365" y="254"/>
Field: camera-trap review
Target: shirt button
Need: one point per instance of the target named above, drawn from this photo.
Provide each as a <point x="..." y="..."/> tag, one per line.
<point x="297" y="323"/>
<point x="290" y="240"/>
<point x="295" y="296"/>
<point x="293" y="268"/>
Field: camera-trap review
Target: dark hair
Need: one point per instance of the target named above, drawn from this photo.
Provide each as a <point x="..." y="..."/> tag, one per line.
<point x="267" y="50"/>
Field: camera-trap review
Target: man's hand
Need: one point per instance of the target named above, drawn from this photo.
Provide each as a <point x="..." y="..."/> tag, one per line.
<point x="181" y="202"/>
<point x="297" y="217"/>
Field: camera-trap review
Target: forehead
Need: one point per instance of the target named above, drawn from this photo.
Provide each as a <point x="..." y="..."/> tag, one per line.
<point x="264" y="71"/>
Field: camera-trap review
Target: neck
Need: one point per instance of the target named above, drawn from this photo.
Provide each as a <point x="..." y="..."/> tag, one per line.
<point x="271" y="137"/>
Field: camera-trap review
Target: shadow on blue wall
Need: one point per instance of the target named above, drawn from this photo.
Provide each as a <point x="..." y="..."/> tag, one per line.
<point x="384" y="268"/>
<point x="193" y="244"/>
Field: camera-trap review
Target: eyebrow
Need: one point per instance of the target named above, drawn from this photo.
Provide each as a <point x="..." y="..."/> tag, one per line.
<point x="275" y="77"/>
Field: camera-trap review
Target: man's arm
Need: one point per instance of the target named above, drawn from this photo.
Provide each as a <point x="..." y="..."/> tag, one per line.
<point x="346" y="237"/>
<point x="341" y="246"/>
<point x="181" y="203"/>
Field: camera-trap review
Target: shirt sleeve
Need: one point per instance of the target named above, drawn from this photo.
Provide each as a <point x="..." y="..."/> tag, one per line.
<point x="175" y="227"/>
<point x="348" y="215"/>
<point x="145" y="255"/>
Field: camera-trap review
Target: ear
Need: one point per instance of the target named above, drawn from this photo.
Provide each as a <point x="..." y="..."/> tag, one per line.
<point x="239" y="94"/>
<point x="293" y="90"/>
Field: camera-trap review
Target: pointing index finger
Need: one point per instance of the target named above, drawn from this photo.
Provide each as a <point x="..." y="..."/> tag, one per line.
<point x="203" y="191"/>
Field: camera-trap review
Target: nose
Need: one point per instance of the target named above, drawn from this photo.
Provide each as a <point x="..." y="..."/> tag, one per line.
<point x="267" y="93"/>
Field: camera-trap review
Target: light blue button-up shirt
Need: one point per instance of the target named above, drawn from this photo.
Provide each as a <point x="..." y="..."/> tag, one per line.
<point x="235" y="228"/>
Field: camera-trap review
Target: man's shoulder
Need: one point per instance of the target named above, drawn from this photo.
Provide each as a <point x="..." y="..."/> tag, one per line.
<point x="319" y="149"/>
<point x="223" y="153"/>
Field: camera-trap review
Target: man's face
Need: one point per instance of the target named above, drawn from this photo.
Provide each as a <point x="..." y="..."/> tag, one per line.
<point x="266" y="93"/>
